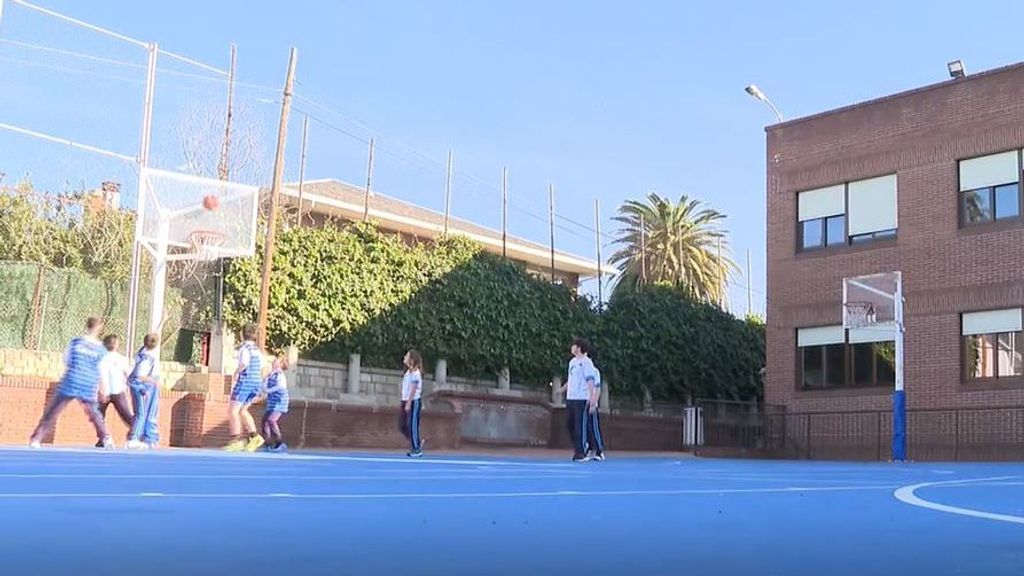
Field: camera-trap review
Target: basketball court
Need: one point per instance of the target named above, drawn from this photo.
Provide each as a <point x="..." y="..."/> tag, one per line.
<point x="202" y="512"/>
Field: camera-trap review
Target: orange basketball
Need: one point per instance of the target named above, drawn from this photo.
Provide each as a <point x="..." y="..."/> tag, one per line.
<point x="211" y="202"/>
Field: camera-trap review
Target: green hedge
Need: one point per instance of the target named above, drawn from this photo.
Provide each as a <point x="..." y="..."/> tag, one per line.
<point x="337" y="291"/>
<point x="677" y="347"/>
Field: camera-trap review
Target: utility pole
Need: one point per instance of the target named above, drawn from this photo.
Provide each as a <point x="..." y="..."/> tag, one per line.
<point x="302" y="163"/>
<point x="551" y="225"/>
<point x="369" y="183"/>
<point x="275" y="193"/>
<point x="600" y="272"/>
<point x="448" y="189"/>
<point x="750" y="296"/>
<point x="504" y="212"/>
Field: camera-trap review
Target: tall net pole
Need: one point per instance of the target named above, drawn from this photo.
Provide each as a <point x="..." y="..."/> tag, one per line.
<point x="899" y="399"/>
<point x="144" y="144"/>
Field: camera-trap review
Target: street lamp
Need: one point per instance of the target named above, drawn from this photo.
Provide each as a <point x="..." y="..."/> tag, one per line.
<point x="756" y="93"/>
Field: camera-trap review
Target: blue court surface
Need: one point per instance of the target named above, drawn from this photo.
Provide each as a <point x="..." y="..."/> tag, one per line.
<point x="201" y="512"/>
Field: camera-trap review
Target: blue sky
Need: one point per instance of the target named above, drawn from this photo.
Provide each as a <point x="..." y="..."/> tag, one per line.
<point x="606" y="100"/>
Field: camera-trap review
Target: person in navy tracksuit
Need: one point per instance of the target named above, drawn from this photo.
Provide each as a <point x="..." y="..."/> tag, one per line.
<point x="595" y="442"/>
<point x="276" y="389"/>
<point x="412" y="402"/>
<point x="143" y="383"/>
<point x="80" y="382"/>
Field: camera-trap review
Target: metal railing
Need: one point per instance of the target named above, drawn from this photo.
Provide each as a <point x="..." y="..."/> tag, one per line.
<point x="976" y="433"/>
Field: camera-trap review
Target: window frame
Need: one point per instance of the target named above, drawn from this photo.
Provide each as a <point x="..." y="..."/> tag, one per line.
<point x="991" y="191"/>
<point x="823" y="222"/>
<point x="967" y="370"/>
<point x="849" y="381"/>
<point x="847" y="239"/>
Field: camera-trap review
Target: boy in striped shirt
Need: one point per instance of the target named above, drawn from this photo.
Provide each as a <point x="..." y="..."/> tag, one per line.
<point x="276" y="388"/>
<point x="143" y="383"/>
<point x="248" y="379"/>
<point x="80" y="382"/>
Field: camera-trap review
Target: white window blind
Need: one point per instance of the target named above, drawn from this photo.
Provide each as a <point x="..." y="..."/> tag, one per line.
<point x="991" y="322"/>
<point x="872" y="205"/>
<point x="822" y="202"/>
<point x="820" y="336"/>
<point x="989" y="170"/>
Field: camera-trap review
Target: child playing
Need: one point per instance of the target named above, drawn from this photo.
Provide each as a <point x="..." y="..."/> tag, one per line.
<point x="114" y="370"/>
<point x="142" y="382"/>
<point x="412" y="390"/>
<point x="80" y="382"/>
<point x="276" y="389"/>
<point x="246" y="387"/>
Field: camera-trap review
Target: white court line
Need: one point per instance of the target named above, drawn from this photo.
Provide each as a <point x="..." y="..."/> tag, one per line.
<point x="907" y="496"/>
<point x="450" y="495"/>
<point x="272" y="476"/>
<point x="217" y="454"/>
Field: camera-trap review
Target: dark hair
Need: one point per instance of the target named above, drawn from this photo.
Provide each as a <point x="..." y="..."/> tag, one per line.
<point x="93" y="323"/>
<point x="110" y="341"/>
<point x="150" y="341"/>
<point x="582" y="344"/>
<point x="415" y="359"/>
<point x="249" y="331"/>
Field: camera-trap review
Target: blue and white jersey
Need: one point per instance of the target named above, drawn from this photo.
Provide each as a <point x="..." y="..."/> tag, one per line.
<point x="597" y="378"/>
<point x="147" y="365"/>
<point x="276" y="387"/>
<point x="249" y="357"/>
<point x="581" y="375"/>
<point x="82" y="368"/>
<point x="412" y="385"/>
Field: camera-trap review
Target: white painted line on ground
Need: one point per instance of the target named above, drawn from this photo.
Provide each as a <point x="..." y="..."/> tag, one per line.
<point x="907" y="495"/>
<point x="456" y="495"/>
<point x="220" y="454"/>
<point x="151" y="494"/>
<point x="271" y="476"/>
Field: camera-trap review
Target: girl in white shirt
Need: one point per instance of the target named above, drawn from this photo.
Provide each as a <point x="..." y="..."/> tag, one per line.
<point x="114" y="370"/>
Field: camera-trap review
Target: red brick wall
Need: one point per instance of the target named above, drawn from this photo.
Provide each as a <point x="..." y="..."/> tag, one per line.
<point x="624" y="432"/>
<point x="200" y="420"/>
<point x="946" y="270"/>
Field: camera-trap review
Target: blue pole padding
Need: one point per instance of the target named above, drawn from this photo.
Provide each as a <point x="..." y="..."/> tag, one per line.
<point x="899" y="426"/>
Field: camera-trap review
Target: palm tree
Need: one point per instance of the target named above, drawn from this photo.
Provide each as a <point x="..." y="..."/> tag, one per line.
<point x="680" y="244"/>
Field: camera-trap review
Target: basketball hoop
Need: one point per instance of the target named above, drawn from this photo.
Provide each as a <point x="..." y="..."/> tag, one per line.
<point x="205" y="244"/>
<point x="858" y="314"/>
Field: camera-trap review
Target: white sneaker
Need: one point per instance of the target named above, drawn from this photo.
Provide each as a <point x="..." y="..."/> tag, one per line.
<point x="598" y="457"/>
<point x="35" y="445"/>
<point x="135" y="445"/>
<point x="108" y="443"/>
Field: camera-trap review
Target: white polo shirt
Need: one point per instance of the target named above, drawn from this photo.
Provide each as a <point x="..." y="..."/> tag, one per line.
<point x="580" y="370"/>
<point x="114" y="370"/>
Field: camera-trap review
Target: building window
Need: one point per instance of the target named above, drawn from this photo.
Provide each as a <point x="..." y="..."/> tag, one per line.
<point x="990" y="189"/>
<point x="831" y="357"/>
<point x="851" y="213"/>
<point x="823" y="232"/>
<point x="993" y="344"/>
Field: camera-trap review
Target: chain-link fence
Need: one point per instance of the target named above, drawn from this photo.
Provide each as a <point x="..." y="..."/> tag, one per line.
<point x="42" y="308"/>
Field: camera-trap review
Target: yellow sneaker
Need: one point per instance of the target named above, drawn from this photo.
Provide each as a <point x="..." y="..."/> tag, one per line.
<point x="254" y="444"/>
<point x="235" y="446"/>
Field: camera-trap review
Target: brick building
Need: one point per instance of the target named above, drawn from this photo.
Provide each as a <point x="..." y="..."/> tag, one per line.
<point x="927" y="182"/>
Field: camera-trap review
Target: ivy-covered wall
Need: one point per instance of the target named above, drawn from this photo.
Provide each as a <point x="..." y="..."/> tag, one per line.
<point x="354" y="289"/>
